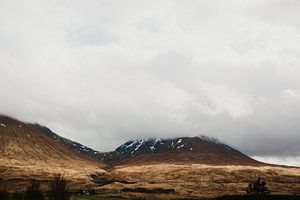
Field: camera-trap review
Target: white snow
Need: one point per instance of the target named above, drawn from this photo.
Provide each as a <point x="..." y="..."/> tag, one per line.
<point x="227" y="147"/>
<point x="179" y="141"/>
<point x="172" y="145"/>
<point x="155" y="142"/>
<point x="152" y="148"/>
<point x="140" y="143"/>
<point x="3" y="125"/>
<point x="180" y="146"/>
<point x="131" y="144"/>
<point x="191" y="149"/>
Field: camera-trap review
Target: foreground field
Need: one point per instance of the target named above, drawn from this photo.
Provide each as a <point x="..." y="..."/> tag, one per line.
<point x="269" y="197"/>
<point x="95" y="198"/>
<point x="167" y="181"/>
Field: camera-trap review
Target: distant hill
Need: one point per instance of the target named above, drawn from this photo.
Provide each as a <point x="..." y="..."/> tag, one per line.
<point x="200" y="150"/>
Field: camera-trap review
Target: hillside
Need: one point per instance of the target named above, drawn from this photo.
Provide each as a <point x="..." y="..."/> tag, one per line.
<point x="75" y="146"/>
<point x="197" y="150"/>
<point x="27" y="152"/>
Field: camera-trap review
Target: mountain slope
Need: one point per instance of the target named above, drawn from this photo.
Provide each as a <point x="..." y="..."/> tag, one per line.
<point x="201" y="150"/>
<point x="26" y="142"/>
<point x="26" y="152"/>
<point x="75" y="146"/>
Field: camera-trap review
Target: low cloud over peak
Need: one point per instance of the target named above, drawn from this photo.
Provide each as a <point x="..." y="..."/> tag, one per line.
<point x="103" y="72"/>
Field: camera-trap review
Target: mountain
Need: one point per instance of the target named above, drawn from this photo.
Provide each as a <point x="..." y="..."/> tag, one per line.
<point x="26" y="142"/>
<point x="200" y="150"/>
<point x="26" y="151"/>
<point x="75" y="146"/>
<point x="188" y="168"/>
<point x="181" y="168"/>
<point x="31" y="141"/>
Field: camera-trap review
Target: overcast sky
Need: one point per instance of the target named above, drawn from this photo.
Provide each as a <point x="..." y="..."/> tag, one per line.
<point x="104" y="71"/>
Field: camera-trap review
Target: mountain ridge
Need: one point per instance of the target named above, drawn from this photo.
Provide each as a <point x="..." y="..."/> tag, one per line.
<point x="201" y="149"/>
<point x="76" y="146"/>
<point x="27" y="152"/>
<point x="197" y="167"/>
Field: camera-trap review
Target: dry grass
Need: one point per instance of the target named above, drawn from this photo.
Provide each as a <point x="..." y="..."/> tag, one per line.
<point x="196" y="180"/>
<point x="27" y="153"/>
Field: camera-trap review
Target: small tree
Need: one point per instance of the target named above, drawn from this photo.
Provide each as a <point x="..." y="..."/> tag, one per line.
<point x="33" y="191"/>
<point x="59" y="189"/>
<point x="258" y="187"/>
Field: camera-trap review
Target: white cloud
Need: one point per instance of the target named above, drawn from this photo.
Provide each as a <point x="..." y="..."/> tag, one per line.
<point x="102" y="72"/>
<point x="290" y="161"/>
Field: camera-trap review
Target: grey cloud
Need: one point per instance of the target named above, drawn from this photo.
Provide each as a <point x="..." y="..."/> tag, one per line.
<point x="103" y="72"/>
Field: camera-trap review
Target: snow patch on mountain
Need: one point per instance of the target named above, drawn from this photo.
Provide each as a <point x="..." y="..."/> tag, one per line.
<point x="138" y="145"/>
<point x="152" y="148"/>
<point x="157" y="145"/>
<point x="3" y="125"/>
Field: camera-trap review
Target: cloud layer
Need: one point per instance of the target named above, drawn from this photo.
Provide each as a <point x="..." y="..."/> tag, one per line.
<point x="103" y="72"/>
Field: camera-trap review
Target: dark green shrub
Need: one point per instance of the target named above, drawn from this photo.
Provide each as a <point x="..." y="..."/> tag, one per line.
<point x="33" y="191"/>
<point x="59" y="189"/>
<point x="16" y="196"/>
<point x="3" y="192"/>
<point x="4" y="195"/>
<point x="258" y="187"/>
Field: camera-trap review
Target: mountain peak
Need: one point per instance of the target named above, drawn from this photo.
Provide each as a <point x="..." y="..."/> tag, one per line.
<point x="155" y="145"/>
<point x="200" y="149"/>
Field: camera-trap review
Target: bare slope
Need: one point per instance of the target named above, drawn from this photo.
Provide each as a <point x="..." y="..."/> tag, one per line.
<point x="75" y="146"/>
<point x="26" y="152"/>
